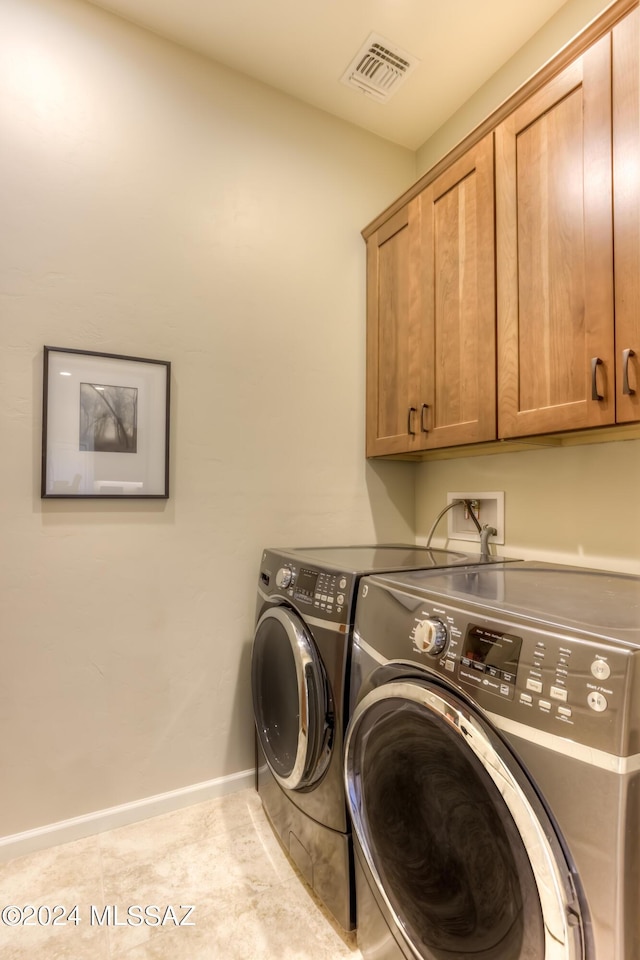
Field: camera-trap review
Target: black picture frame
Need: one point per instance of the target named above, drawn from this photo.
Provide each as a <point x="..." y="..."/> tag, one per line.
<point x="105" y="425"/>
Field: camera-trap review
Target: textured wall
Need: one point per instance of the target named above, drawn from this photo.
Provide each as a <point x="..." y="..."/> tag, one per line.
<point x="572" y="505"/>
<point x="156" y="205"/>
<point x="557" y="32"/>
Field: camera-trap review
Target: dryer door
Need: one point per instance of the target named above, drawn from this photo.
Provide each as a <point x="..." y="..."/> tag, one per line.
<point x="291" y="702"/>
<point x="459" y="851"/>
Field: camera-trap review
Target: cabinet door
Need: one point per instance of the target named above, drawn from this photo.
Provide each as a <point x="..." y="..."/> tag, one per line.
<point x="555" y="254"/>
<point x="459" y="363"/>
<point x="626" y="180"/>
<point x="393" y="334"/>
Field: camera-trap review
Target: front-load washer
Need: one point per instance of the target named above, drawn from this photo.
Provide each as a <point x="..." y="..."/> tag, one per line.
<point x="300" y="668"/>
<point x="492" y="764"/>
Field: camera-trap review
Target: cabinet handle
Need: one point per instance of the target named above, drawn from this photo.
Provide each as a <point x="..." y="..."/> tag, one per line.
<point x="411" y="432"/>
<point x="595" y="363"/>
<point x="425" y="429"/>
<point x="626" y="389"/>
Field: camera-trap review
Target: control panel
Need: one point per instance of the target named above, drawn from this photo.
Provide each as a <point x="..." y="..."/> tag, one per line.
<point x="324" y="594"/>
<point x="490" y="657"/>
<point x="572" y="686"/>
<point x="478" y="655"/>
<point x="555" y="669"/>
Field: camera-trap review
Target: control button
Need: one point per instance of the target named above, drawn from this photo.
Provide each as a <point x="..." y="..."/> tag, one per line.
<point x="544" y="704"/>
<point x="597" y="702"/>
<point x="343" y="583"/>
<point x="510" y="677"/>
<point x="340" y="598"/>
<point x="535" y="685"/>
<point x="504" y="689"/>
<point x="601" y="669"/>
<point x="559" y="693"/>
<point x="284" y="577"/>
<point x="430" y="636"/>
<point x="526" y="698"/>
<point x="564" y="711"/>
<point x="450" y="665"/>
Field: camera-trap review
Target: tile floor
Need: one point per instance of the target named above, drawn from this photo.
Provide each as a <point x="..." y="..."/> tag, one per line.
<point x="220" y="856"/>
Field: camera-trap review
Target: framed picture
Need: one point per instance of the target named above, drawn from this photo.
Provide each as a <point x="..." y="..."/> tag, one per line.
<point x="105" y="425"/>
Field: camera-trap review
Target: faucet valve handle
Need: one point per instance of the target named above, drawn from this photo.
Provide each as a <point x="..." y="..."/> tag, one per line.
<point x="485" y="533"/>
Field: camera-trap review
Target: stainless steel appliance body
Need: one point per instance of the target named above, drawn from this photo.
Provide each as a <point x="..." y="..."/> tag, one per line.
<point x="300" y="668"/>
<point x="492" y="764"/>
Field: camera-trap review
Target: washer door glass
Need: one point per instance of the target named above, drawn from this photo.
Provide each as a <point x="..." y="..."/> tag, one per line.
<point x="460" y="856"/>
<point x="290" y="699"/>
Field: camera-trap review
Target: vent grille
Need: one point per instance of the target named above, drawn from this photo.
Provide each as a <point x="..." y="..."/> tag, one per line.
<point x="379" y="68"/>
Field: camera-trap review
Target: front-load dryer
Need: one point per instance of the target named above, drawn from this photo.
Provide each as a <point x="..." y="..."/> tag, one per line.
<point x="492" y="764"/>
<point x="300" y="668"/>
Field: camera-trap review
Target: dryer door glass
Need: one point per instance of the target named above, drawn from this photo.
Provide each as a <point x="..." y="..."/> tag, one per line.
<point x="454" y="848"/>
<point x="290" y="699"/>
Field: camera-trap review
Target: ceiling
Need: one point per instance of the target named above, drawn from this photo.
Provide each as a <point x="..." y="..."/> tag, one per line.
<point x="303" y="47"/>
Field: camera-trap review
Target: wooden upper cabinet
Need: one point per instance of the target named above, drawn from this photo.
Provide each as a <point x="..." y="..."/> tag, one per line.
<point x="458" y="262"/>
<point x="431" y="315"/>
<point x="555" y="254"/>
<point x="393" y="333"/>
<point x="626" y="178"/>
<point x="493" y="306"/>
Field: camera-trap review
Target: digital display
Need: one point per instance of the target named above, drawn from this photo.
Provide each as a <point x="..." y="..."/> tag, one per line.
<point x="306" y="584"/>
<point x="491" y="653"/>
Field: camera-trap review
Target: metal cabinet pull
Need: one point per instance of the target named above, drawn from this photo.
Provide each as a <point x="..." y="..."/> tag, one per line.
<point x="595" y="363"/>
<point x="626" y="388"/>
<point x="411" y="432"/>
<point x="423" y="427"/>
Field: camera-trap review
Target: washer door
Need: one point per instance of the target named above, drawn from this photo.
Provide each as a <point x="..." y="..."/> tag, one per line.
<point x="461" y="855"/>
<point x="291" y="702"/>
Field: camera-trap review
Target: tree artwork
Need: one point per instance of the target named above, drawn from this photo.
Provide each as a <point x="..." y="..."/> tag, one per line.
<point x="108" y="418"/>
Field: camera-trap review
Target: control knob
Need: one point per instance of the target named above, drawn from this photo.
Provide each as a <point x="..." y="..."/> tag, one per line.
<point x="430" y="636"/>
<point x="284" y="577"/>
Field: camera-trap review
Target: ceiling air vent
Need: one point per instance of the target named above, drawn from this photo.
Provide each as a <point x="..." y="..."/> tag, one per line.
<point x="379" y="68"/>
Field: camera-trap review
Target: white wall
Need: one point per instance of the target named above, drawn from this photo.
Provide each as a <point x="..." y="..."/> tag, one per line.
<point x="154" y="204"/>
<point x="572" y="505"/>
<point x="556" y="33"/>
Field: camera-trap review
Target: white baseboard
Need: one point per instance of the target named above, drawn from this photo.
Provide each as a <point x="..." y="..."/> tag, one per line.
<point x="20" y="844"/>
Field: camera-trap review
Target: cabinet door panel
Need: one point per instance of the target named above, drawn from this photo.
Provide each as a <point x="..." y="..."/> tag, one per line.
<point x="550" y="255"/>
<point x="392" y="335"/>
<point x="555" y="253"/>
<point x="626" y="178"/>
<point x="459" y="309"/>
